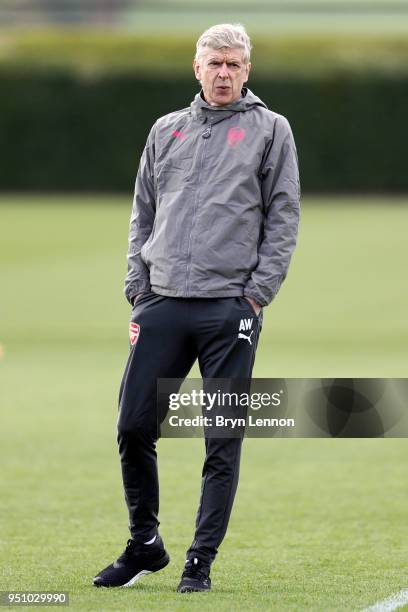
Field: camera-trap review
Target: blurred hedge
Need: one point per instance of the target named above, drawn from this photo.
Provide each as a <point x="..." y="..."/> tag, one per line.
<point x="85" y="51"/>
<point x="64" y="131"/>
<point x="76" y="106"/>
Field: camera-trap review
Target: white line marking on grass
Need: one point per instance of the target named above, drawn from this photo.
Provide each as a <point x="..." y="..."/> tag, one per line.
<point x="392" y="603"/>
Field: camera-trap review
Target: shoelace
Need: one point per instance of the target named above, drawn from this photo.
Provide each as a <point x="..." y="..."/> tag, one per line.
<point x="128" y="552"/>
<point x="195" y="569"/>
<point x="130" y="545"/>
<point x="133" y="546"/>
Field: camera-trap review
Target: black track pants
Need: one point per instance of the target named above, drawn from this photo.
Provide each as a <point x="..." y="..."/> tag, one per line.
<point x="169" y="334"/>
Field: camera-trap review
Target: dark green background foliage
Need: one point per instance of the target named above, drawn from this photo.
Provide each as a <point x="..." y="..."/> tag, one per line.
<point x="75" y="109"/>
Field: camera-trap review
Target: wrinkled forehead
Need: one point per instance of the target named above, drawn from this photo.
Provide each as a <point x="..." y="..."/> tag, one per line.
<point x="226" y="54"/>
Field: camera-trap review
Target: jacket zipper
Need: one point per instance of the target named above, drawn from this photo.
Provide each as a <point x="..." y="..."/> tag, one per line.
<point x="205" y="135"/>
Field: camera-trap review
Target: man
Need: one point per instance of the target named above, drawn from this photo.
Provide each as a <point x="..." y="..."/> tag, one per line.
<point x="213" y="227"/>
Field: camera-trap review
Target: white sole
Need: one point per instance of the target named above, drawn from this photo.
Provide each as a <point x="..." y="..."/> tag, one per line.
<point x="135" y="579"/>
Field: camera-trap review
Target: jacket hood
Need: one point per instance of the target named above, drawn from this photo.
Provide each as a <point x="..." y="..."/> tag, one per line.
<point x="201" y="110"/>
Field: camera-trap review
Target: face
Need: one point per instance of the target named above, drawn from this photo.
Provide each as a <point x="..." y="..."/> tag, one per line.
<point x="222" y="73"/>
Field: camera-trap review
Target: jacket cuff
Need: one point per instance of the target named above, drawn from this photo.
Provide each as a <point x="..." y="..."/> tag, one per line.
<point x="133" y="290"/>
<point x="263" y="295"/>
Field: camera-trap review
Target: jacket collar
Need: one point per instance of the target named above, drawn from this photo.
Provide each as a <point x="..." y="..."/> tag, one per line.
<point x="202" y="111"/>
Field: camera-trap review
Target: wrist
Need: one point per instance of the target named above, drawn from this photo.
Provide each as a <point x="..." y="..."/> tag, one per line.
<point x="257" y="307"/>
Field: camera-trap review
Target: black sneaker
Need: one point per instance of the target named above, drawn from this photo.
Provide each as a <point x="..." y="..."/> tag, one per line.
<point x="136" y="561"/>
<point x="196" y="577"/>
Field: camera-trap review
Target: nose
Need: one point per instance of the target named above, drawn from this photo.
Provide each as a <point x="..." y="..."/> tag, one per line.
<point x="223" y="73"/>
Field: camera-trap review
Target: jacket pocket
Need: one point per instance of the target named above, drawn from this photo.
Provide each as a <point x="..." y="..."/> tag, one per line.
<point x="146" y="246"/>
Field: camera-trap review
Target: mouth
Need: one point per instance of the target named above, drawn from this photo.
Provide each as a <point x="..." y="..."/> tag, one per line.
<point x="222" y="88"/>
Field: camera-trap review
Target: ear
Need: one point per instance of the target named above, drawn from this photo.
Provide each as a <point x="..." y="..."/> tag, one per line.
<point x="197" y="70"/>
<point x="248" y="70"/>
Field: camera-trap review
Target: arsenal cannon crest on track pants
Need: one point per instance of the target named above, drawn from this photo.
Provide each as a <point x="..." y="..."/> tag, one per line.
<point x="167" y="335"/>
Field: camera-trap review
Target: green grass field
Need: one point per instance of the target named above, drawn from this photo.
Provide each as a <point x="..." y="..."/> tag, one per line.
<point x="317" y="524"/>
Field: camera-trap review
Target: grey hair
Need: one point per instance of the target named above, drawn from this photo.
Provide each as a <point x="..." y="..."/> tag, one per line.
<point x="225" y="35"/>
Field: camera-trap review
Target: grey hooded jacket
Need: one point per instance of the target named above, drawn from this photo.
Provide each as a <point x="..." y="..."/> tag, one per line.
<point x="216" y="203"/>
